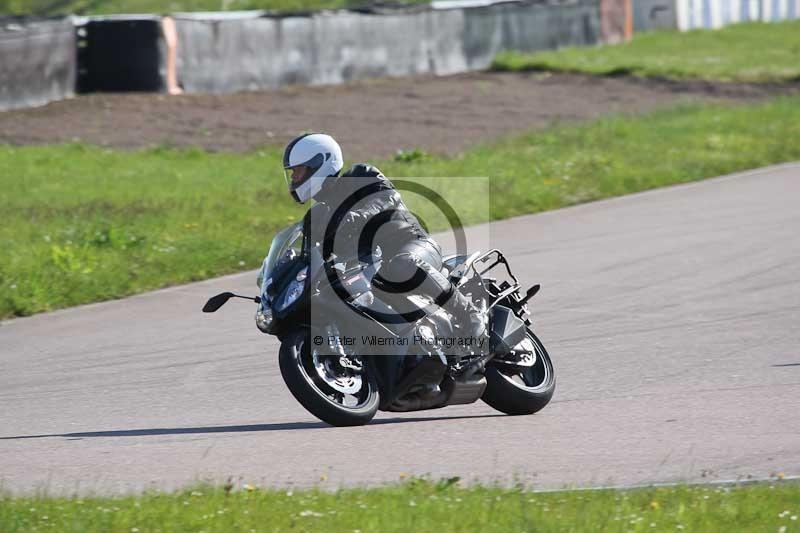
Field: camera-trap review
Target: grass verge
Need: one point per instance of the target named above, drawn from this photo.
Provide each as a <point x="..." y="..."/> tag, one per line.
<point x="418" y="506"/>
<point x="83" y="224"/>
<point x="754" y="52"/>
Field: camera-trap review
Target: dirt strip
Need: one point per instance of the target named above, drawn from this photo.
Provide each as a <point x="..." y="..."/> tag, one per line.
<point x="372" y="118"/>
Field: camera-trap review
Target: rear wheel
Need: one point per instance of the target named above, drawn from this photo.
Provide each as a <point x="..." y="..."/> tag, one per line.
<point x="524" y="388"/>
<point x="336" y="394"/>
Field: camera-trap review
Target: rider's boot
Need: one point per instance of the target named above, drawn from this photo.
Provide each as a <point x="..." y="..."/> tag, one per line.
<point x="471" y="322"/>
<point x="468" y="318"/>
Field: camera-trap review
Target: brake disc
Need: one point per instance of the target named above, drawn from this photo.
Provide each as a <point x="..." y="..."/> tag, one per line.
<point x="344" y="381"/>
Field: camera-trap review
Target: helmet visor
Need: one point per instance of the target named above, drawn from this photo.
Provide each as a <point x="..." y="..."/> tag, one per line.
<point x="296" y="175"/>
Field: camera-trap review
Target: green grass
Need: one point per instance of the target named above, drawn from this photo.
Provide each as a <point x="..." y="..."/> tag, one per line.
<point x="753" y="52"/>
<point x="105" y="7"/>
<point x="83" y="224"/>
<point x="417" y="506"/>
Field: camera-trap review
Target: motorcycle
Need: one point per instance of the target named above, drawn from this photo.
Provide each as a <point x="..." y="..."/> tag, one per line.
<point x="343" y="357"/>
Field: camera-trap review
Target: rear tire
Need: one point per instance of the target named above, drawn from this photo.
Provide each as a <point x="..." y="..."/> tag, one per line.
<point x="530" y="392"/>
<point x="317" y="396"/>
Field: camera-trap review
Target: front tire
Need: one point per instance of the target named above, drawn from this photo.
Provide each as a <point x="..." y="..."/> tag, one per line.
<point x="320" y="396"/>
<point x="519" y="390"/>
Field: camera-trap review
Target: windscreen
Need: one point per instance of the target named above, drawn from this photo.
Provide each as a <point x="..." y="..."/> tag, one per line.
<point x="286" y="239"/>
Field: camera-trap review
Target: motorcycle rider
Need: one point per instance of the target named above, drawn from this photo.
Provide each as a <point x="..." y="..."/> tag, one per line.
<point x="362" y="204"/>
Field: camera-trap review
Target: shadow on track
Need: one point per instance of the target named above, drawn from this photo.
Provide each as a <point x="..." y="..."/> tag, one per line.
<point x="285" y="426"/>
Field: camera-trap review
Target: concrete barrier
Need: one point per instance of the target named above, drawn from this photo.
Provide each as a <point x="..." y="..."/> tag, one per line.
<point x="225" y="53"/>
<point x="251" y="50"/>
<point x="654" y="15"/>
<point x="37" y="62"/>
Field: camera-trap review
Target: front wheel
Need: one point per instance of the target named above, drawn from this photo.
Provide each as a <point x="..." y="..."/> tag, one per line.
<point x="521" y="389"/>
<point x="340" y="396"/>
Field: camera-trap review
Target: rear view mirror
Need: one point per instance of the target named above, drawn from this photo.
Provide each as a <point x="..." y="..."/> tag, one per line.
<point x="215" y="302"/>
<point x="530" y="294"/>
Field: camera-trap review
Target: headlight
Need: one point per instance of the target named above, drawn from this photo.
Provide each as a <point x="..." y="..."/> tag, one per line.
<point x="291" y="295"/>
<point x="264" y="319"/>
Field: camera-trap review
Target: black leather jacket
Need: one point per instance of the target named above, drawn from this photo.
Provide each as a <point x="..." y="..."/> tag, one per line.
<point x="363" y="204"/>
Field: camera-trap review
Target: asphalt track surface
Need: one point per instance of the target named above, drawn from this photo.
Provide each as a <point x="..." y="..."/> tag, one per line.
<point x="673" y="318"/>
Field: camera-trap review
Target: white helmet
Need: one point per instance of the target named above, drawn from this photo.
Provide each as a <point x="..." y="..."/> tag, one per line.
<point x="319" y="155"/>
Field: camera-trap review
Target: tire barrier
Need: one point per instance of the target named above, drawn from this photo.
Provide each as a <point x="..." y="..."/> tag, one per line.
<point x="121" y="53"/>
<point x="37" y="62"/>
